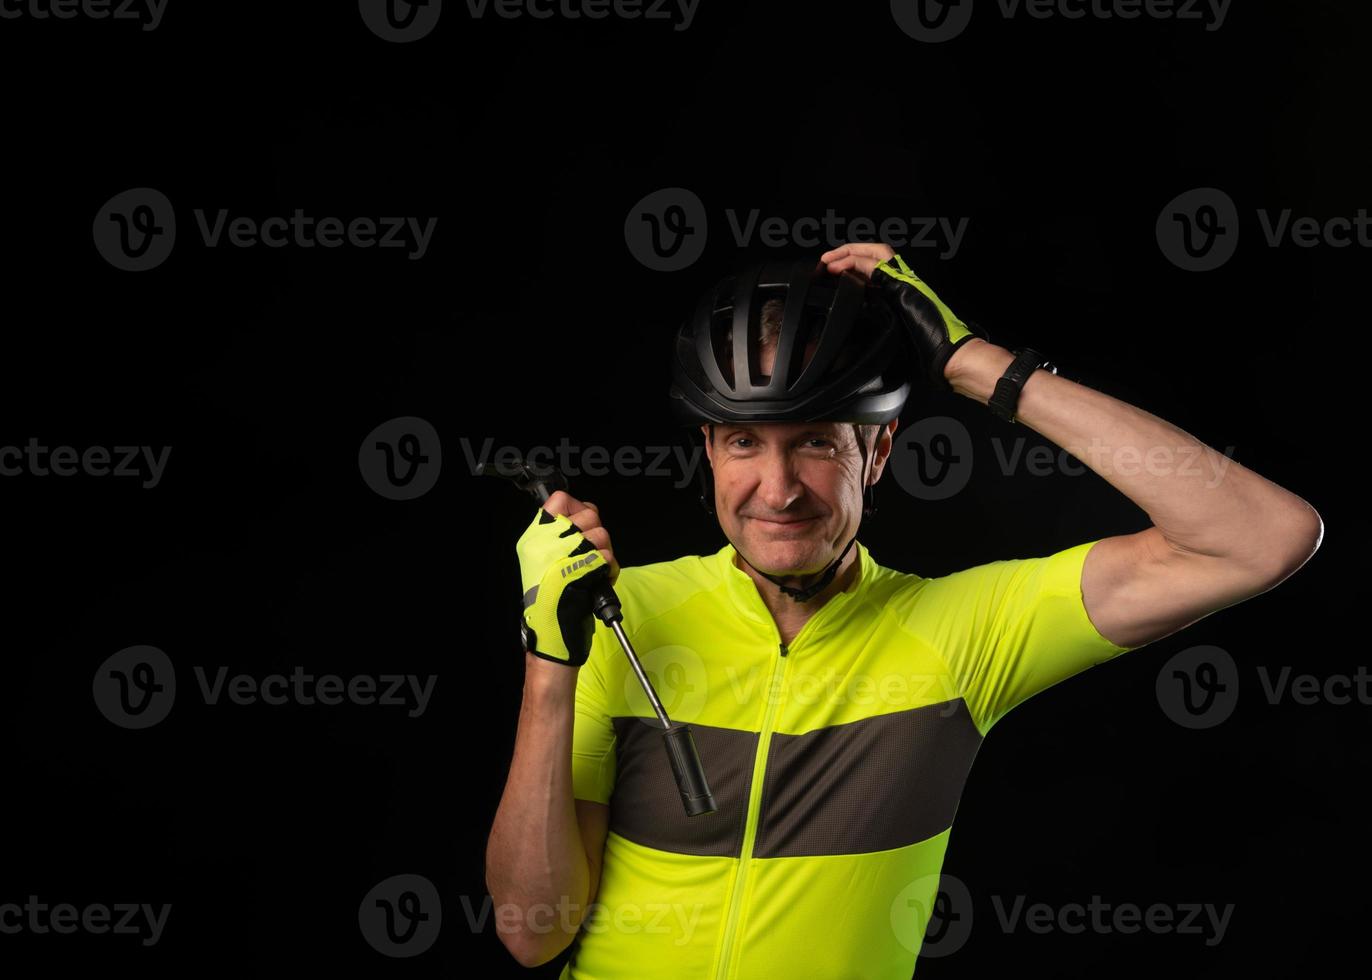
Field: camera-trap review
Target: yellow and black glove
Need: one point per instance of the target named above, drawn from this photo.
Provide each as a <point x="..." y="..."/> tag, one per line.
<point x="560" y="569"/>
<point x="934" y="330"/>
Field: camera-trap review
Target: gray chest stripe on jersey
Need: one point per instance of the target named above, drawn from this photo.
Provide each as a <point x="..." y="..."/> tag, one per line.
<point x="870" y="785"/>
<point x="646" y="806"/>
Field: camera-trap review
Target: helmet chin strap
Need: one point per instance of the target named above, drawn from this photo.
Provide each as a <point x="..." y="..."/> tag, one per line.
<point x="826" y="576"/>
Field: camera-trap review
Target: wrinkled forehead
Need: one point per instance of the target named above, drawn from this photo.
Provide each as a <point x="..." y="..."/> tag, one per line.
<point x="839" y="432"/>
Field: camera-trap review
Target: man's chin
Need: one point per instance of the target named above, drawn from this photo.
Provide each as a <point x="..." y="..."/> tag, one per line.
<point x="781" y="556"/>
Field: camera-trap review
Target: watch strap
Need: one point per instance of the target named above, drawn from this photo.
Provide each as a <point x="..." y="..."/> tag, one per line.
<point x="1005" y="399"/>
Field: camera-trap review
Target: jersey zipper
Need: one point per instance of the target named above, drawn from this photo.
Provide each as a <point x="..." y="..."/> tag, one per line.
<point x="781" y="667"/>
<point x="773" y="696"/>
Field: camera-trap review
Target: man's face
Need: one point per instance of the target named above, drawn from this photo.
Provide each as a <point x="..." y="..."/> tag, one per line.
<point x="790" y="494"/>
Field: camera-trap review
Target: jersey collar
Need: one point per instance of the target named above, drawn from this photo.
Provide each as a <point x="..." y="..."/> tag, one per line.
<point x="743" y="594"/>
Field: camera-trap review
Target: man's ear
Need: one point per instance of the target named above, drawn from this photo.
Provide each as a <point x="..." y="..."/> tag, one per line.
<point x="884" y="444"/>
<point x="709" y="442"/>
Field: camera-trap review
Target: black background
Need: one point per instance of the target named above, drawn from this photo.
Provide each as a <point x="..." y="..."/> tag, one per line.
<point x="529" y="320"/>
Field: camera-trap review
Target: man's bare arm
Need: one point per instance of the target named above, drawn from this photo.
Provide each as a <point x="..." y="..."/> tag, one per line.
<point x="536" y="859"/>
<point x="1221" y="533"/>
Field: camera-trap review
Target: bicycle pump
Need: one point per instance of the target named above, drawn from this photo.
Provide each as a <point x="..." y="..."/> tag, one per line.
<point x="541" y="482"/>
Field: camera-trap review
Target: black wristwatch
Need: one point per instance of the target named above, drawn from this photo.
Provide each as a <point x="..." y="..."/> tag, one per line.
<point x="1005" y="399"/>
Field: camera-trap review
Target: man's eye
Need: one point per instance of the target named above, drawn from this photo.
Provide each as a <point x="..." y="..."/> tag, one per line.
<point x="815" y="442"/>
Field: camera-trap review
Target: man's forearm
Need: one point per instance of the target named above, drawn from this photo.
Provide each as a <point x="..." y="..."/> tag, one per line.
<point x="535" y="859"/>
<point x="1199" y="499"/>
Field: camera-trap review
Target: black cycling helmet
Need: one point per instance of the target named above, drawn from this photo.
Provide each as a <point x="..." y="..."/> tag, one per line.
<point x="859" y="372"/>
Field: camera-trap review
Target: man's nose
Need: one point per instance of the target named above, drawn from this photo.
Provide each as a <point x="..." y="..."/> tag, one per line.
<point x="779" y="483"/>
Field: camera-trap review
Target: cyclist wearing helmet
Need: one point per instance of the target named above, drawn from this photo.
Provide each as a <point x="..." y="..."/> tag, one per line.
<point x="837" y="704"/>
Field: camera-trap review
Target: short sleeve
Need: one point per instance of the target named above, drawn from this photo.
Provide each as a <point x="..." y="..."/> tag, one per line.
<point x="1010" y="629"/>
<point x="593" y="733"/>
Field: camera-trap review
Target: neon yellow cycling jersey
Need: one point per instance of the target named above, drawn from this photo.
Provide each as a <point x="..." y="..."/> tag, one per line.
<point x="836" y="761"/>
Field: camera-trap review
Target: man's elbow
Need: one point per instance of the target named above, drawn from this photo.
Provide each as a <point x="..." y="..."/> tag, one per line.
<point x="531" y="950"/>
<point x="1302" y="543"/>
<point x="525" y="956"/>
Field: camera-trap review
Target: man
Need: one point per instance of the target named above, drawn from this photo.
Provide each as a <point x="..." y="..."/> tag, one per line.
<point x="837" y="704"/>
